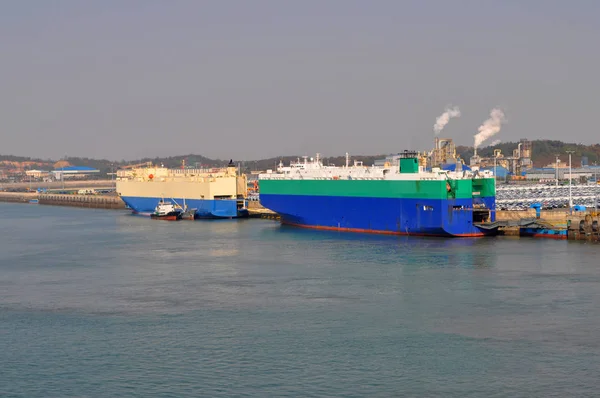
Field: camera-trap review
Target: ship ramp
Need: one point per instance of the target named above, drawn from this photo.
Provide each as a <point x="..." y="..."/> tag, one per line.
<point x="522" y="223"/>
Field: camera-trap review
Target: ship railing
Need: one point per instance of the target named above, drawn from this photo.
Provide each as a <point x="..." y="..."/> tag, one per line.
<point x="197" y="171"/>
<point x="324" y="178"/>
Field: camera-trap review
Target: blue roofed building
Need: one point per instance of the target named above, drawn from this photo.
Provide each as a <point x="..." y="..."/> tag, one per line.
<point x="74" y="172"/>
<point x="500" y="171"/>
<point x="455" y="167"/>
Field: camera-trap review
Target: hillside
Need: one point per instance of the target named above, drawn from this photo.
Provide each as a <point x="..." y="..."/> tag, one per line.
<point x="543" y="153"/>
<point x="191" y="160"/>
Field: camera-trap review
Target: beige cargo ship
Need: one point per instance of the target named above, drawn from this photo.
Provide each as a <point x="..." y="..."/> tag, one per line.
<point x="210" y="193"/>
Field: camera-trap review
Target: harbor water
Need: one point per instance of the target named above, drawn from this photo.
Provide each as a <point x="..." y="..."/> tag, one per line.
<point x="100" y="303"/>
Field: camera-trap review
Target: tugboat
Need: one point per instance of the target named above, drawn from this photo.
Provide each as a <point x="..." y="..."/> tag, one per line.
<point x="167" y="211"/>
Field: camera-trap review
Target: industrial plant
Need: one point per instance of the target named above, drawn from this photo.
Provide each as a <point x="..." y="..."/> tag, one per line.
<point x="445" y="157"/>
<point x="516" y="163"/>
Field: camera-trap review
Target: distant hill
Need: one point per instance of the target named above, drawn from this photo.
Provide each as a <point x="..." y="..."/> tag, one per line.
<point x="104" y="165"/>
<point x="191" y="160"/>
<point x="13" y="158"/>
<point x="543" y="153"/>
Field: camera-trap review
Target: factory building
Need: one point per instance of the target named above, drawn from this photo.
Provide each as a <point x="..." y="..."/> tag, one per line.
<point x="74" y="172"/>
<point x="37" y="173"/>
<point x="517" y="166"/>
<point x="562" y="173"/>
<point x="444" y="152"/>
<point x="516" y="163"/>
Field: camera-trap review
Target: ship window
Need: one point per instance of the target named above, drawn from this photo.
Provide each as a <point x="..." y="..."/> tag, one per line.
<point x="458" y="208"/>
<point x="427" y="208"/>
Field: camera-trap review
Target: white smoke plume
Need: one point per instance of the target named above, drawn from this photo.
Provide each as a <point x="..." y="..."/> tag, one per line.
<point x="495" y="142"/>
<point x="444" y="118"/>
<point x="490" y="127"/>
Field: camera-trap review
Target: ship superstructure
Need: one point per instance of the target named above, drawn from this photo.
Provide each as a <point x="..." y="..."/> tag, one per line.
<point x="214" y="193"/>
<point x="398" y="197"/>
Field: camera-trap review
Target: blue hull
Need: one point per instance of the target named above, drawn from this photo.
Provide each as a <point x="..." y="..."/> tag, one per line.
<point x="452" y="217"/>
<point x="205" y="208"/>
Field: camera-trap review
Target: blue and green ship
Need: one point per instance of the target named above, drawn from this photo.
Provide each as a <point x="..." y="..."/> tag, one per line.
<point x="399" y="198"/>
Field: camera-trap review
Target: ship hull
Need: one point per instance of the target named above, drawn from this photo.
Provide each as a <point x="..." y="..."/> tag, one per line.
<point x="167" y="217"/>
<point x="205" y="208"/>
<point x="395" y="216"/>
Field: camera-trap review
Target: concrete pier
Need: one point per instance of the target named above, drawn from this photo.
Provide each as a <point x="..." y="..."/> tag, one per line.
<point x="89" y="201"/>
<point x="17" y="197"/>
<point x="584" y="228"/>
<point x="577" y="225"/>
<point x="256" y="210"/>
<point x="556" y="218"/>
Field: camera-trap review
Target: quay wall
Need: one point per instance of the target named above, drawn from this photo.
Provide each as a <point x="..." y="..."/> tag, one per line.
<point x="256" y="210"/>
<point x="68" y="184"/>
<point x="557" y="218"/>
<point x="89" y="201"/>
<point x="585" y="228"/>
<point x="255" y="204"/>
<point x="17" y="197"/>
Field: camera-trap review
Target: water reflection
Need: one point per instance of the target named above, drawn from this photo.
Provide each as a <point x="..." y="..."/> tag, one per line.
<point x="410" y="250"/>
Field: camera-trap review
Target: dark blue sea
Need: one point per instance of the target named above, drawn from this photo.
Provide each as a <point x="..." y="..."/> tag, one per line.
<point x="100" y="303"/>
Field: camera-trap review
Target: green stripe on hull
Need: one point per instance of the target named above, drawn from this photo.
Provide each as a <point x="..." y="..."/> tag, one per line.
<point x="485" y="186"/>
<point x="421" y="189"/>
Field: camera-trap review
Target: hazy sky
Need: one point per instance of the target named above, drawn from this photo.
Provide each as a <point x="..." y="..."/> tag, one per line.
<point x="253" y="79"/>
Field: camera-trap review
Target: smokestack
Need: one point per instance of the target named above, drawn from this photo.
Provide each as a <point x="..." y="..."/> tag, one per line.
<point x="475" y="152"/>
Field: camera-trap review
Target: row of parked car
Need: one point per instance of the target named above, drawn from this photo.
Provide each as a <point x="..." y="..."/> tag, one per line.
<point x="549" y="197"/>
